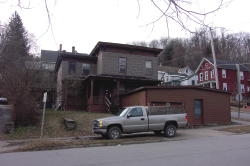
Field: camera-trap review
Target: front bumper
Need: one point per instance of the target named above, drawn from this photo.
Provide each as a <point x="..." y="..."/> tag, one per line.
<point x="99" y="131"/>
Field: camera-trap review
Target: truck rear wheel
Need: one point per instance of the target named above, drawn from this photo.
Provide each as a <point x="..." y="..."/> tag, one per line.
<point x="114" y="132"/>
<point x="170" y="130"/>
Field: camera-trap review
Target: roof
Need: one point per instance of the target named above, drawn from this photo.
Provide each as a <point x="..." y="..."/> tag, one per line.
<point x="100" y="45"/>
<point x="81" y="57"/>
<point x="49" y="56"/>
<point x="176" y="87"/>
<point x="122" y="77"/>
<point x="224" y="64"/>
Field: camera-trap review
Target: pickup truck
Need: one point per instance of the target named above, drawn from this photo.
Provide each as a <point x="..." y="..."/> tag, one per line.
<point x="140" y="119"/>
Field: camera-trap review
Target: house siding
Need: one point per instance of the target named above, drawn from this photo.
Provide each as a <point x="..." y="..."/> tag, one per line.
<point x="135" y="64"/>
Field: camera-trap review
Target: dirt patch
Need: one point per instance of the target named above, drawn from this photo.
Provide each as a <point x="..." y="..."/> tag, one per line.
<point x="51" y="144"/>
<point x="237" y="129"/>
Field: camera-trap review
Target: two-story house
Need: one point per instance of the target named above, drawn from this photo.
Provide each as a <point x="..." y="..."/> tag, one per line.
<point x="227" y="76"/>
<point x="111" y="69"/>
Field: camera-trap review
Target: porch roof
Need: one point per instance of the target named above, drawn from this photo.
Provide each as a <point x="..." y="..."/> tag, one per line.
<point x="121" y="77"/>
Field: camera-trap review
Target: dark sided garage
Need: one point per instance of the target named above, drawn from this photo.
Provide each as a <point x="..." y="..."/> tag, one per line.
<point x="203" y="105"/>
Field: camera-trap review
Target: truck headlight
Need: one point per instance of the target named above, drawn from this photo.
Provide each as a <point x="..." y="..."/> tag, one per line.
<point x="100" y="123"/>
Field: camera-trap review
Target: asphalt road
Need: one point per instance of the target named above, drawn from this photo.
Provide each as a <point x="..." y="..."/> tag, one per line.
<point x="243" y="115"/>
<point x="226" y="150"/>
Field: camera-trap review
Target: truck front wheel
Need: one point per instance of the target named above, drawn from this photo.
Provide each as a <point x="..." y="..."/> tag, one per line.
<point x="114" y="132"/>
<point x="170" y="131"/>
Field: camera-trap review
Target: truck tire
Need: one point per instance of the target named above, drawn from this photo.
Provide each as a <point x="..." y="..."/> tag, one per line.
<point x="170" y="130"/>
<point x="114" y="132"/>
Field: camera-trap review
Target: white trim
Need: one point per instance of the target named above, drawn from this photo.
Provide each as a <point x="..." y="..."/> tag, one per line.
<point x="204" y="59"/>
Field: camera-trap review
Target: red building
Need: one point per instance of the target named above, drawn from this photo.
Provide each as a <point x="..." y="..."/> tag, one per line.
<point x="227" y="76"/>
<point x="202" y="105"/>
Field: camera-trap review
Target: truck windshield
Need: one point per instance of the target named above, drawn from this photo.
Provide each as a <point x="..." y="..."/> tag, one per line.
<point x="123" y="112"/>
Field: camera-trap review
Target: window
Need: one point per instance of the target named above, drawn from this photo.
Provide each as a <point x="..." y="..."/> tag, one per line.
<point x="241" y="75"/>
<point x="135" y="112"/>
<point x="201" y="76"/>
<point x="72" y="67"/>
<point x="122" y="65"/>
<point x="242" y="87"/>
<point x="224" y="85"/>
<point x="148" y="65"/>
<point x="224" y="74"/>
<point x="198" y="104"/>
<point x="206" y="75"/>
<point x="248" y="89"/>
<point x="212" y="74"/>
<point x="85" y="69"/>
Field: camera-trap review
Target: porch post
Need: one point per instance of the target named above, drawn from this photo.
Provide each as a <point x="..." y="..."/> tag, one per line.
<point x="118" y="91"/>
<point x="91" y="91"/>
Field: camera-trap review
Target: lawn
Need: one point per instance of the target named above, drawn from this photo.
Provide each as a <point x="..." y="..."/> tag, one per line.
<point x="54" y="126"/>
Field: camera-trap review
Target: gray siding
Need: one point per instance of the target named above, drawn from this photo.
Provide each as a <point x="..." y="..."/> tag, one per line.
<point x="78" y="72"/>
<point x="135" y="64"/>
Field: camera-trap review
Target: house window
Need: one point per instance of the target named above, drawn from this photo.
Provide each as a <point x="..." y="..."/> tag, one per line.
<point x="248" y="89"/>
<point x="241" y="75"/>
<point x="224" y="74"/>
<point x="85" y="69"/>
<point x="206" y="75"/>
<point x="198" y="104"/>
<point x="242" y="87"/>
<point x="201" y="76"/>
<point x="193" y="82"/>
<point x="224" y="85"/>
<point x="212" y="74"/>
<point x="148" y="65"/>
<point x="122" y="64"/>
<point x="72" y="67"/>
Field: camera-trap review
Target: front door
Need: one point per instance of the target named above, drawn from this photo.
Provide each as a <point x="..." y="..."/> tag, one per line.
<point x="136" y="121"/>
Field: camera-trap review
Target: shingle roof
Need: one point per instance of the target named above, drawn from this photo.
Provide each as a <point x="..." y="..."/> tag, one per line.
<point x="49" y="56"/>
<point x="225" y="64"/>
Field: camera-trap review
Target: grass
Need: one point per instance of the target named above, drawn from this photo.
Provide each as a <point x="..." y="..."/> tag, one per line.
<point x="54" y="126"/>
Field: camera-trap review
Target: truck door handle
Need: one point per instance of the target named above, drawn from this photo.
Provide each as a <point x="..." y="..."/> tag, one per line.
<point x="142" y="118"/>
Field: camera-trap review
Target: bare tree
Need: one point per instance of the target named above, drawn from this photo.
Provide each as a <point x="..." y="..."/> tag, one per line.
<point x="181" y="12"/>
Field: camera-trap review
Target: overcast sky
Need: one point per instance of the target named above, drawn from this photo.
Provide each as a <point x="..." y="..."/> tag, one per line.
<point x="82" y="23"/>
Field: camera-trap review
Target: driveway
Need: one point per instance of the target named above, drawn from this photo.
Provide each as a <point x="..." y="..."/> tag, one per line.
<point x="243" y="115"/>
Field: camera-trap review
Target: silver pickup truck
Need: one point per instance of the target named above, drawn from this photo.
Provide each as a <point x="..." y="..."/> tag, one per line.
<point x="140" y="119"/>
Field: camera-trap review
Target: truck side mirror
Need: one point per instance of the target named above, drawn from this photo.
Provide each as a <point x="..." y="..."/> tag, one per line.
<point x="128" y="116"/>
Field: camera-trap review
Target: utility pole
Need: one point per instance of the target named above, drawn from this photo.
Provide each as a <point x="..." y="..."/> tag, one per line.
<point x="214" y="59"/>
<point x="239" y="95"/>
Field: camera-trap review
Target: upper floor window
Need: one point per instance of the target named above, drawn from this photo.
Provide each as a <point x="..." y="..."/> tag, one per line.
<point x="72" y="67"/>
<point x="212" y="74"/>
<point x="148" y="65"/>
<point x="85" y="69"/>
<point x="122" y="64"/>
<point x="224" y="86"/>
<point x="248" y="89"/>
<point x="201" y="76"/>
<point x="224" y="74"/>
<point x="206" y="75"/>
<point x="241" y="75"/>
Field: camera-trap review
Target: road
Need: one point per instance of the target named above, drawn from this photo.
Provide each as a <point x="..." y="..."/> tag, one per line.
<point x="243" y="115"/>
<point x="220" y="150"/>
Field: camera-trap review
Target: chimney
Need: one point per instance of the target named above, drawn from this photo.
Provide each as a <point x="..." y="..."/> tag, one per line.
<point x="73" y="49"/>
<point x="60" y="47"/>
